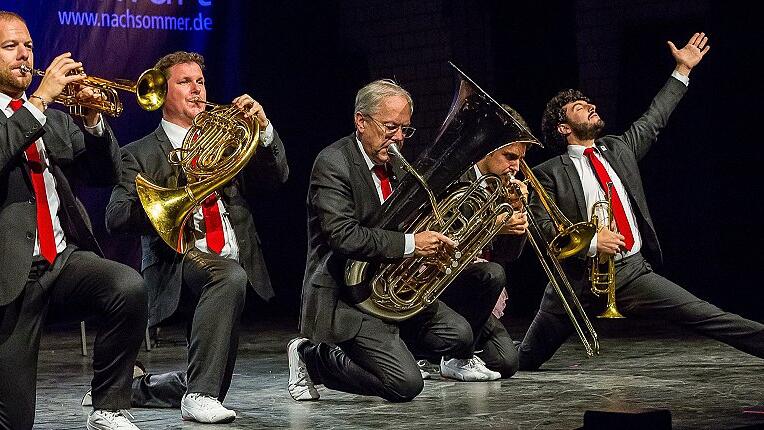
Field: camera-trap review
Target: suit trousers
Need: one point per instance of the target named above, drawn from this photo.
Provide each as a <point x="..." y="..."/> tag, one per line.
<point x="473" y="295"/>
<point x="377" y="362"/>
<point x="640" y="292"/>
<point x="79" y="285"/>
<point x="214" y="290"/>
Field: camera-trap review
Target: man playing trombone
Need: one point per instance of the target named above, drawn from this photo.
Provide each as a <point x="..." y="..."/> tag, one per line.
<point x="486" y="276"/>
<point x="52" y="265"/>
<point x="580" y="177"/>
<point x="225" y="257"/>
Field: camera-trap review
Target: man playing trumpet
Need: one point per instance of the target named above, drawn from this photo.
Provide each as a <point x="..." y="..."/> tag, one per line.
<point x="52" y="265"/>
<point x="580" y="177"/>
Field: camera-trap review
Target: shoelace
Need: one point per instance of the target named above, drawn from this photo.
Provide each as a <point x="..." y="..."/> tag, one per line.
<point x="118" y="415"/>
<point x="206" y="402"/>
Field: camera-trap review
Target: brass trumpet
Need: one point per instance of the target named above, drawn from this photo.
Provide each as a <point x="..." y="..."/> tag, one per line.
<point x="570" y="240"/>
<point x="602" y="273"/>
<point x="150" y="90"/>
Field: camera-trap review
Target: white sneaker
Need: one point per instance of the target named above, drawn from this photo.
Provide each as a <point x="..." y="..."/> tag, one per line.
<point x="480" y="365"/>
<point x="426" y="369"/>
<point x="300" y="386"/>
<point x="87" y="399"/>
<point x="138" y="371"/>
<point x="463" y="369"/>
<point x="101" y="419"/>
<point x="204" y="409"/>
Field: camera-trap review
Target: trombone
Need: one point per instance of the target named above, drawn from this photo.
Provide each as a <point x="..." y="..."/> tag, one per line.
<point x="570" y="239"/>
<point x="602" y="274"/>
<point x="150" y="90"/>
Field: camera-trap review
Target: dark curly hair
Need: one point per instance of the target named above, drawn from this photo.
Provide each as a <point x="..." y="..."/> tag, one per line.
<point x="554" y="115"/>
<point x="178" y="57"/>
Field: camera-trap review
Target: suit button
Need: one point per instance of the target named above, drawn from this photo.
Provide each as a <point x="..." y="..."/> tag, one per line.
<point x="31" y="201"/>
<point x="30" y="236"/>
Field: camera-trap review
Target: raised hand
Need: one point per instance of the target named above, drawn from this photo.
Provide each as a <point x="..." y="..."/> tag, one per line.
<point x="251" y="108"/>
<point x="691" y="54"/>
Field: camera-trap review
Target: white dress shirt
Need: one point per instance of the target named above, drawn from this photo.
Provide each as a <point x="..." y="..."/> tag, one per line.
<point x="230" y="249"/>
<point x="54" y="202"/>
<point x="409" y="244"/>
<point x="593" y="192"/>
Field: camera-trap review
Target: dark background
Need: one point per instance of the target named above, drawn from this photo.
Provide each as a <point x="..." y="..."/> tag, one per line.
<point x="304" y="61"/>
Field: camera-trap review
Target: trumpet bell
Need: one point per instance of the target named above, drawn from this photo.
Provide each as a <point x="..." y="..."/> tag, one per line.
<point x="151" y="89"/>
<point x="572" y="240"/>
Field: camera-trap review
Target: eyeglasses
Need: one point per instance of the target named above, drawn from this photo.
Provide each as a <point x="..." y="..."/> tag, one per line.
<point x="390" y="128"/>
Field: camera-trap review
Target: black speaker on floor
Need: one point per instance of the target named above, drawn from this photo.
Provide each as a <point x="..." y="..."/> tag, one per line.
<point x="654" y="419"/>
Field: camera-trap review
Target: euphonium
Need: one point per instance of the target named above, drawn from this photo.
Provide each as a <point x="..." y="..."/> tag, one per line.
<point x="467" y="213"/>
<point x="602" y="273"/>
<point x="150" y="90"/>
<point x="218" y="145"/>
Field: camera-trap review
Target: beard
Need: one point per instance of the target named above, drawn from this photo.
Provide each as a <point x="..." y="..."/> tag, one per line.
<point x="11" y="85"/>
<point x="587" y="131"/>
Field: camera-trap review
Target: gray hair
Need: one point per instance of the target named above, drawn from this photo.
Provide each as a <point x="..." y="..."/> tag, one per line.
<point x="368" y="99"/>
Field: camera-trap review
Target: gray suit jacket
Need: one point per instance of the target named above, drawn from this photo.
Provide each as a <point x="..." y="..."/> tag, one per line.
<point x="342" y="201"/>
<point x="560" y="179"/>
<point x="161" y="266"/>
<point x="72" y="155"/>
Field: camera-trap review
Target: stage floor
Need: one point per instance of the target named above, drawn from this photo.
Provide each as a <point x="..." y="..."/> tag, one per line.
<point x="704" y="384"/>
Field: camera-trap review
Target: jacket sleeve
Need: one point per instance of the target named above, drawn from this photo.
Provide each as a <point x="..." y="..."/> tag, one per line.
<point x="268" y="168"/>
<point x="644" y="131"/>
<point x="124" y="213"/>
<point x="331" y="197"/>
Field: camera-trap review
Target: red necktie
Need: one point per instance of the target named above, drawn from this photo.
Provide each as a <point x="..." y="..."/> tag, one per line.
<point x="618" y="213"/>
<point x="213" y="223"/>
<point x="384" y="181"/>
<point x="44" y="224"/>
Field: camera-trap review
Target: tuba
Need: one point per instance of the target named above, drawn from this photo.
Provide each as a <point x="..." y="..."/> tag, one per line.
<point x="425" y="199"/>
<point x="602" y="273"/>
<point x="220" y="142"/>
<point x="150" y="90"/>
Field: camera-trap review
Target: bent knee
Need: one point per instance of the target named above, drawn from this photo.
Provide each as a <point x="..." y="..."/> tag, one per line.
<point x="404" y="390"/>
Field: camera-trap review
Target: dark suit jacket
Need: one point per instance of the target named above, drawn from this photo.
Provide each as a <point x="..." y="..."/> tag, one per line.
<point x="72" y="155"/>
<point x="342" y="201"/>
<point x="560" y="179"/>
<point x="505" y="248"/>
<point x="161" y="265"/>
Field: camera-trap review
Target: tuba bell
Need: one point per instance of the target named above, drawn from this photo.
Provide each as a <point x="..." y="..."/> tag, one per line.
<point x="220" y="142"/>
<point x="425" y="199"/>
<point x="602" y="273"/>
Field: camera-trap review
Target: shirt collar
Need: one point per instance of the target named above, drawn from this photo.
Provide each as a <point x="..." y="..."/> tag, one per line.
<point x="5" y="101"/>
<point x="370" y="164"/>
<point x="174" y="132"/>
<point x="577" y="151"/>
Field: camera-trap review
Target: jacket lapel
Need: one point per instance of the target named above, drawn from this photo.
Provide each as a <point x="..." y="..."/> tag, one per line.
<point x="575" y="183"/>
<point x="362" y="170"/>
<point x="55" y="147"/>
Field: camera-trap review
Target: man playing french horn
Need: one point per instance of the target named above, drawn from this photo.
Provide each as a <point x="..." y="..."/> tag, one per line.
<point x="224" y="257"/>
